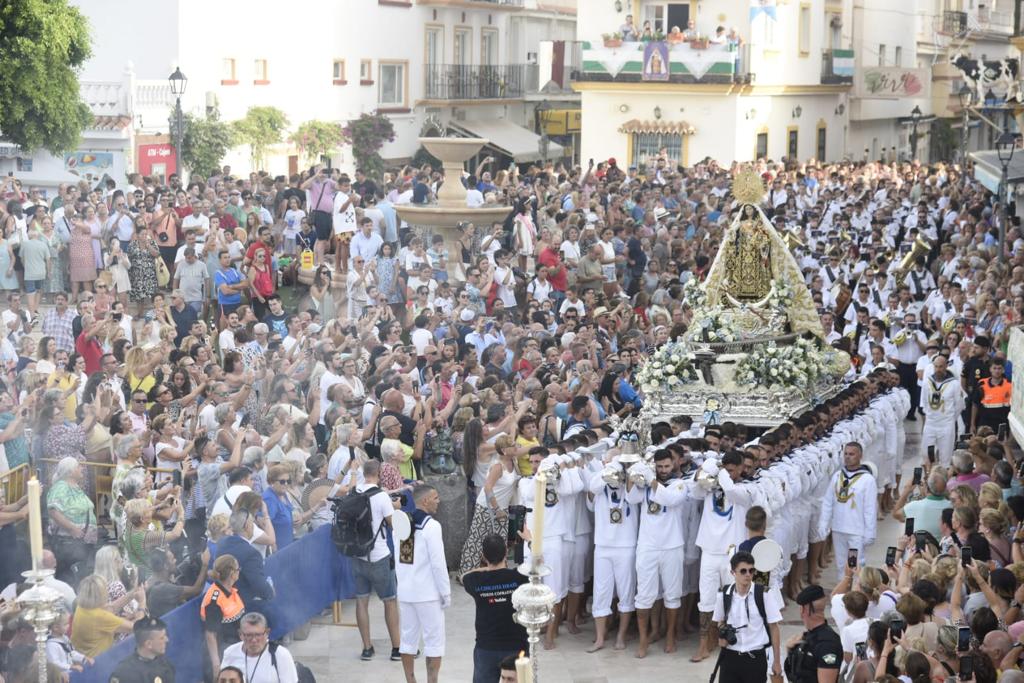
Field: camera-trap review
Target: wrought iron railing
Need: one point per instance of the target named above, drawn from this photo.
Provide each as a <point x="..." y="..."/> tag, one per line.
<point x="474" y="82"/>
<point x="954" y="22"/>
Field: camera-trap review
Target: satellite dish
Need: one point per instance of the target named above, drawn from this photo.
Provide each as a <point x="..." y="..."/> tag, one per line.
<point x="767" y="555"/>
<point x="402" y="526"/>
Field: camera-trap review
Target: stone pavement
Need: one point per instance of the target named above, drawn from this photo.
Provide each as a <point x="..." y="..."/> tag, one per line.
<point x="332" y="652"/>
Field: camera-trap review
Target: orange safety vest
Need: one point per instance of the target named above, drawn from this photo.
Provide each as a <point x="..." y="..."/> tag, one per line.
<point x="995" y="396"/>
<point x="231" y="606"/>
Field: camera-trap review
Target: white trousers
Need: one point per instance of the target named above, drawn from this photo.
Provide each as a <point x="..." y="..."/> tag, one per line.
<point x="714" y="573"/>
<point x="422" y="620"/>
<point x="843" y="543"/>
<point x="943" y="437"/>
<point x="555" y="559"/>
<point x="580" y="566"/>
<point x="659" y="572"/>
<point x="614" y="575"/>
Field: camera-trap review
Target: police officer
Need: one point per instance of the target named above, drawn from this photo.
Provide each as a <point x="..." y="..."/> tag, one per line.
<point x="815" y="656"/>
<point x="148" y="663"/>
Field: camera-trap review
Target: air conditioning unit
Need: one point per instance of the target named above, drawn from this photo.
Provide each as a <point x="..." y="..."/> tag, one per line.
<point x="836" y="21"/>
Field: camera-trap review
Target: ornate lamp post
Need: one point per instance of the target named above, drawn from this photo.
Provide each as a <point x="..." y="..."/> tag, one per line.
<point x="966" y="96"/>
<point x="178" y="81"/>
<point x="915" y="116"/>
<point x="542" y="144"/>
<point x="1005" y="146"/>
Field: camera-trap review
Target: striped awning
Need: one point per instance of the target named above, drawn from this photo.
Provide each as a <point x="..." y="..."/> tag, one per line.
<point x="664" y="127"/>
<point x="106" y="122"/>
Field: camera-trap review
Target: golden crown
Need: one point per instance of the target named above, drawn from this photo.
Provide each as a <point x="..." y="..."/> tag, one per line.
<point x="747" y="187"/>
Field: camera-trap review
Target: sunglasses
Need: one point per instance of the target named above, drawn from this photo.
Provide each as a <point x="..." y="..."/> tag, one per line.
<point x="745" y="570"/>
<point x="284" y="481"/>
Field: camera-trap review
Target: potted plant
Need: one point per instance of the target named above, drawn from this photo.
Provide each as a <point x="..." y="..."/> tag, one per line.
<point x="612" y="39"/>
<point x="699" y="42"/>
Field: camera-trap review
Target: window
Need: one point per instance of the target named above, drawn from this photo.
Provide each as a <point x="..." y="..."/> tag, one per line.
<point x="228" y="75"/>
<point x="881" y="55"/>
<point x="793" y="143"/>
<point x="820" y="147"/>
<point x="366" y="72"/>
<point x="434" y="47"/>
<point x="260" y="75"/>
<point x="804" y="42"/>
<point x="656" y="15"/>
<point x="392" y="85"/>
<point x="897" y="56"/>
<point x="761" y="146"/>
<point x="338" y="73"/>
<point x="649" y="145"/>
<point x="461" y="51"/>
<point x="488" y="47"/>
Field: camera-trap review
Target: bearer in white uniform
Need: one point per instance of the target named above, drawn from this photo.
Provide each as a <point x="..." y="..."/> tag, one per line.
<point x="942" y="399"/>
<point x="849" y="509"/>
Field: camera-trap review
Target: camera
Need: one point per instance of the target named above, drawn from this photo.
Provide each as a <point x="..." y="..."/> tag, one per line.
<point x="401" y="498"/>
<point x="516" y="523"/>
<point x="728" y="634"/>
<point x="163" y="236"/>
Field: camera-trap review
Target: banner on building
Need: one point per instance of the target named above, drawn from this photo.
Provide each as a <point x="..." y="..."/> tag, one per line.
<point x="892" y="83"/>
<point x="88" y="163"/>
<point x="655" y="61"/>
<point x="765" y="7"/>
<point x="1015" y="355"/>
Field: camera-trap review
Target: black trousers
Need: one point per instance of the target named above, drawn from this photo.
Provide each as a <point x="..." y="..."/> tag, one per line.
<point x="743" y="667"/>
<point x="908" y="380"/>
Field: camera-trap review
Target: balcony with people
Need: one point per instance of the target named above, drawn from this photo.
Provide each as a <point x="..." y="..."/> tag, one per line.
<point x="646" y="52"/>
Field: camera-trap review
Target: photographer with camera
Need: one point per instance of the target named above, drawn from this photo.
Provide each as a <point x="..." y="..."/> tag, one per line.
<point x="816" y="655"/>
<point x="745" y="631"/>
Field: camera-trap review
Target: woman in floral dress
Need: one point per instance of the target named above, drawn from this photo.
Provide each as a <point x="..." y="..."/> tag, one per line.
<point x="55" y="275"/>
<point x="142" y="273"/>
<point x="81" y="257"/>
<point x="389" y="284"/>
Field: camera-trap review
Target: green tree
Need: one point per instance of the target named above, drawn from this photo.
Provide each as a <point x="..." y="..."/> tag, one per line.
<point x="205" y="142"/>
<point x="367" y="135"/>
<point x="315" y="139"/>
<point x="261" y="128"/>
<point x="43" y="43"/>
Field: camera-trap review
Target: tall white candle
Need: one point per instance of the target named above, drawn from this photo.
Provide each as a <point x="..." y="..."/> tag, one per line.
<point x="540" y="482"/>
<point x="524" y="674"/>
<point x="35" y="522"/>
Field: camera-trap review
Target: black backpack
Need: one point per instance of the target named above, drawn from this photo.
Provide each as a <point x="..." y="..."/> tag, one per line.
<point x="758" y="600"/>
<point x="353" y="533"/>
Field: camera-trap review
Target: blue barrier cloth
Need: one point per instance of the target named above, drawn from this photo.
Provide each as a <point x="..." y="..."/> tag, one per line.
<point x="308" y="576"/>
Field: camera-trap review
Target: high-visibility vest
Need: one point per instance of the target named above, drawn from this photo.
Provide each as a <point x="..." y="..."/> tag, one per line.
<point x="995" y="396"/>
<point x="231" y="606"/>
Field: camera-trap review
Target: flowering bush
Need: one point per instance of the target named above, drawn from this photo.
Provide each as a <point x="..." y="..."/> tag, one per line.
<point x="670" y="366"/>
<point x="795" y="366"/>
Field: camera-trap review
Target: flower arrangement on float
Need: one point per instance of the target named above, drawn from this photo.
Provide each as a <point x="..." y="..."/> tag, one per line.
<point x="670" y="366"/>
<point x="798" y="365"/>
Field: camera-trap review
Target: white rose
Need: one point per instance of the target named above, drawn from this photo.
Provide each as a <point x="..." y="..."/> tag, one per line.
<point x="774" y="372"/>
<point x="673" y="380"/>
<point x="654" y="384"/>
<point x="676" y="358"/>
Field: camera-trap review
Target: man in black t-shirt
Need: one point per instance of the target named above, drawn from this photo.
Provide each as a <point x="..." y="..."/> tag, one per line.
<point x="976" y="368"/>
<point x="497" y="633"/>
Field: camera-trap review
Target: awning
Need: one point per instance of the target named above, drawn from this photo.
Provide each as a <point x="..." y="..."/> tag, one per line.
<point x="988" y="170"/>
<point x="663" y="127"/>
<point x="521" y="144"/>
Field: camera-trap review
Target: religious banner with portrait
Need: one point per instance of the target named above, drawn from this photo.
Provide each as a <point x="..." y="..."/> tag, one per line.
<point x="656" y="64"/>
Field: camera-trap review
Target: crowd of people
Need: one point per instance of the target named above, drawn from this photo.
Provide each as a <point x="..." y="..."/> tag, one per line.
<point x="195" y="369"/>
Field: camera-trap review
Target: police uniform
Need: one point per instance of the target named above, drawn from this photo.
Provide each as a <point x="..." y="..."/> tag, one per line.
<point x="995" y="402"/>
<point x="819" y="648"/>
<point x="135" y="669"/>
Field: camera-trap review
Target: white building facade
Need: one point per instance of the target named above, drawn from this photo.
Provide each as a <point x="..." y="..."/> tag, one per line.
<point x="443" y="60"/>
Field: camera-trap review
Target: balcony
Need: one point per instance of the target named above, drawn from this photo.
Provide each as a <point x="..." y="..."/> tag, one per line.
<point x="475" y="4"/>
<point x="836" y="67"/>
<point x="474" y="82"/>
<point x="552" y="85"/>
<point x="624" y="63"/>
<point x="953" y="22"/>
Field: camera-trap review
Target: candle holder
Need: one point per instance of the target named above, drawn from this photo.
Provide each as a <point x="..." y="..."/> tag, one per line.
<point x="534" y="604"/>
<point x="39" y="606"/>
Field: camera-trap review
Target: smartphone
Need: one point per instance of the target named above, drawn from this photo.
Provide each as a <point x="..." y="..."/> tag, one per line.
<point x="966" y="668"/>
<point x="918" y="473"/>
<point x="890" y="556"/>
<point x="966" y="555"/>
<point x="919" y="541"/>
<point x="851" y="558"/>
<point x="176" y="477"/>
<point x="931" y="454"/>
<point x="963" y="639"/>
<point x="908" y="527"/>
<point x="896" y="627"/>
<point x="1001" y="433"/>
<point x="862" y="650"/>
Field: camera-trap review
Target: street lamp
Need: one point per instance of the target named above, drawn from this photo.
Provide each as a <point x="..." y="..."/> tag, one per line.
<point x="539" y="110"/>
<point x="966" y="96"/>
<point x="177" y="82"/>
<point x="915" y="116"/>
<point x="1005" y="146"/>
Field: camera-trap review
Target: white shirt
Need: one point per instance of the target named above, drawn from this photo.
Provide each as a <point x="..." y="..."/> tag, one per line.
<point x="344" y="221"/>
<point x="380" y="509"/>
<point x="260" y="669"/>
<point x="327" y="380"/>
<point x="339" y="461"/>
<point x="426" y="578"/>
<point x="505" y="283"/>
<point x="421" y="339"/>
<point x="200" y="223"/>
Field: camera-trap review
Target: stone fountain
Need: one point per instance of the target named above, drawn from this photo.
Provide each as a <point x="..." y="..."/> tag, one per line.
<point x="450" y="209"/>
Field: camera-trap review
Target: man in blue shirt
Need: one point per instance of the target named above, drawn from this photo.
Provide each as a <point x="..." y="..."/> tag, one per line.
<point x="230" y="284"/>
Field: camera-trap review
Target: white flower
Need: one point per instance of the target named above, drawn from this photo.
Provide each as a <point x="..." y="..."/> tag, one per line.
<point x="655" y="384"/>
<point x="675" y="358"/>
<point x="773" y="372"/>
<point x="673" y="380"/>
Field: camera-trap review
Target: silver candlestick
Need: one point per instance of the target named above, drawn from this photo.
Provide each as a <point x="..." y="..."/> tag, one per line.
<point x="534" y="604"/>
<point x="39" y="605"/>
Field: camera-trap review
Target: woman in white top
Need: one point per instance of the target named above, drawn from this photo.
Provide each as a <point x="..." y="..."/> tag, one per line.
<point x="570" y="248"/>
<point x="491" y="513"/>
<point x="170" y="448"/>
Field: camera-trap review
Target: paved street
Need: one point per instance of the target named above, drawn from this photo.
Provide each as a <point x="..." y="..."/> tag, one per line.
<point x="332" y="651"/>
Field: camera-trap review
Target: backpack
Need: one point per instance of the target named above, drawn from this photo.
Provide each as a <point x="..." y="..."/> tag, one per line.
<point x="352" y="532"/>
<point x="303" y="672"/>
<point x="758" y="600"/>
